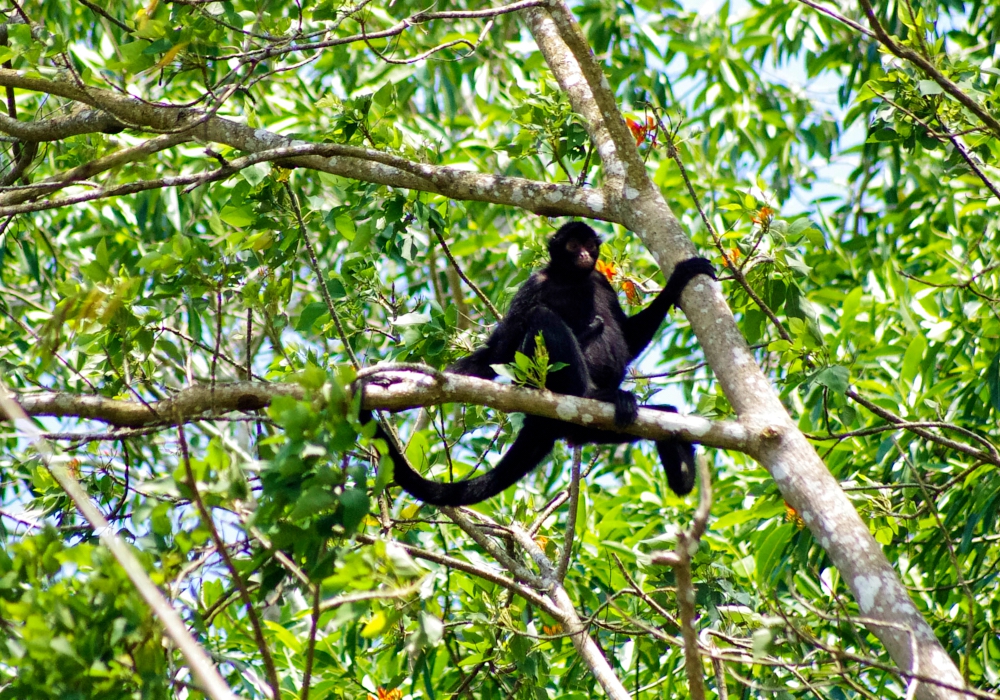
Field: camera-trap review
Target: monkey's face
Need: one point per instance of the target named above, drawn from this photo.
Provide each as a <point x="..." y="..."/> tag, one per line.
<point x="582" y="254"/>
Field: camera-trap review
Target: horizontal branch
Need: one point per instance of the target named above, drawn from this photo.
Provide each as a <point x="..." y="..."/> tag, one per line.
<point x="88" y="121"/>
<point x="393" y="390"/>
<point x="67" y="178"/>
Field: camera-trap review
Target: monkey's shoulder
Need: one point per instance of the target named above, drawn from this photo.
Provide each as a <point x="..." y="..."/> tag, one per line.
<point x="530" y="294"/>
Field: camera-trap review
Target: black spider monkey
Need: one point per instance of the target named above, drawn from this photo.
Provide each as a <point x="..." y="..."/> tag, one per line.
<point x="578" y="314"/>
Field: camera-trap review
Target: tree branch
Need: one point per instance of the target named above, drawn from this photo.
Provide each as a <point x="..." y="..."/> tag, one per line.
<point x="394" y="390"/>
<point x="88" y="121"/>
<point x="930" y="69"/>
<point x="91" y="168"/>
<point x="367" y="165"/>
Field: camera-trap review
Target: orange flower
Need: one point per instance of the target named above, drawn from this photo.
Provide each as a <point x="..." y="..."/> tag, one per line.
<point x="640" y="131"/>
<point x="383" y="694"/>
<point x="552" y="630"/>
<point x="631" y="291"/>
<point x="792" y="516"/>
<point x="732" y="255"/>
<point x="763" y="216"/>
<point x="608" y="269"/>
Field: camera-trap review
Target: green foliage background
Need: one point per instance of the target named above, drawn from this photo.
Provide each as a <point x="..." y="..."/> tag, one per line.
<point x="880" y="263"/>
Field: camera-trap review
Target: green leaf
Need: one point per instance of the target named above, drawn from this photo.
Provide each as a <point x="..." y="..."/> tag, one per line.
<point x="850" y="311"/>
<point x="770" y="550"/>
<point x="929" y="87"/>
<point x="993" y="382"/>
<point x="912" y="358"/>
<point x="835" y="378"/>
<point x="310" y="314"/>
<point x="356" y="506"/>
<point x="313" y="501"/>
<point x="883" y="135"/>
<point x="237" y="216"/>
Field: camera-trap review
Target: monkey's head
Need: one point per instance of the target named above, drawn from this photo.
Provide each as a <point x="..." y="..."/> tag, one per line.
<point x="574" y="249"/>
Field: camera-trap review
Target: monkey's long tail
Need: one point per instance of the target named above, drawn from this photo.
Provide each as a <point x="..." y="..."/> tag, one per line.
<point x="535" y="441"/>
<point x="677" y="458"/>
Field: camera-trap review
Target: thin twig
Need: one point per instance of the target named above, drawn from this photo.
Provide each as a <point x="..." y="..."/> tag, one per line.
<point x="311" y="646"/>
<point x="970" y="627"/>
<point x="508" y="562"/>
<point x="574" y="501"/>
<point x="738" y="275"/>
<point x="840" y="18"/>
<point x="458" y="269"/>
<point x="680" y="560"/>
<point x="991" y="457"/>
<point x="485" y="573"/>
<point x="930" y="69"/>
<point x="318" y="271"/>
<point x="949" y="136"/>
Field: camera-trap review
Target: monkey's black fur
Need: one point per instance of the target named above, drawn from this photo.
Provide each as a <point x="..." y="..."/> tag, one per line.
<point x="584" y="326"/>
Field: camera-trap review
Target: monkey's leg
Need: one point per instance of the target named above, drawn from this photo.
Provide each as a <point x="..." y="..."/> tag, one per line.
<point x="563" y="347"/>
<point x="676" y="456"/>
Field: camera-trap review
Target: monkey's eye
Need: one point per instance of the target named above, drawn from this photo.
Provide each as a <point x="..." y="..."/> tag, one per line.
<point x="573" y="246"/>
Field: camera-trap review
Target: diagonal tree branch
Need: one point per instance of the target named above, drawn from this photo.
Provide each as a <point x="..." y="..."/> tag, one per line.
<point x="803" y="479"/>
<point x="368" y="165"/>
<point x="211" y="682"/>
<point x="570" y="57"/>
<point x="930" y="69"/>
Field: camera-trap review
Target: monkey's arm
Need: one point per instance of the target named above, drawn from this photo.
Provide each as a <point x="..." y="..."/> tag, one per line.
<point x="476" y="365"/>
<point x="506" y="338"/>
<point x="640" y="328"/>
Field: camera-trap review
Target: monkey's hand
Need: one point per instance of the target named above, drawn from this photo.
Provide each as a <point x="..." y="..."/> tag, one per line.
<point x="595" y="328"/>
<point x="626" y="408"/>
<point x="683" y="273"/>
<point x="475" y="365"/>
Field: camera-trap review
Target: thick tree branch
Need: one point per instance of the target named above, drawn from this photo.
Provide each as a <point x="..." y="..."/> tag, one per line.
<point x="393" y="390"/>
<point x="87" y="121"/>
<point x="799" y="473"/>
<point x="569" y="55"/>
<point x="574" y="83"/>
<point x="572" y="624"/>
